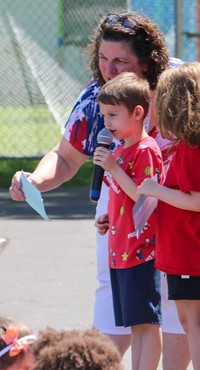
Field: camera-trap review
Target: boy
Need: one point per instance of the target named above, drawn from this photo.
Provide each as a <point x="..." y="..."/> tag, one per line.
<point x="124" y="103"/>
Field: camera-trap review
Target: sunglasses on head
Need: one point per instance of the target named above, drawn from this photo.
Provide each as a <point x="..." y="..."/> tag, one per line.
<point x="122" y="19"/>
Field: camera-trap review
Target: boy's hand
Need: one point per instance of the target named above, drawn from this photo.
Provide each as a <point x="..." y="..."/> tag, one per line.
<point x="102" y="224"/>
<point x="103" y="157"/>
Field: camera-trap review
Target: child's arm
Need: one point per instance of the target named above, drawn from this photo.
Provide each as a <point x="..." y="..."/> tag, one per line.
<point x="105" y="159"/>
<point x="177" y="198"/>
<point x="102" y="224"/>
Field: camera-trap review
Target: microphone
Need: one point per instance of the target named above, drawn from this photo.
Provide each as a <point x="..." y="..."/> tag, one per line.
<point x="104" y="138"/>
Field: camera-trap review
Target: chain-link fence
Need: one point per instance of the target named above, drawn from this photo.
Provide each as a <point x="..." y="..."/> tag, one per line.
<point x="42" y="70"/>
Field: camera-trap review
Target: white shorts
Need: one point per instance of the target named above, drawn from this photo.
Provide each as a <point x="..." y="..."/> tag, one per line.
<point x="103" y="309"/>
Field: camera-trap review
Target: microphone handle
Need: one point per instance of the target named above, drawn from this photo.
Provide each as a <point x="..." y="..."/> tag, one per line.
<point x="97" y="179"/>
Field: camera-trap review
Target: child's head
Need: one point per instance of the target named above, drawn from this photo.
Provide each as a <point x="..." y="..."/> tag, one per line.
<point x="178" y="103"/>
<point x="15" y="338"/>
<point x="124" y="103"/>
<point x="126" y="89"/>
<point x="75" y="349"/>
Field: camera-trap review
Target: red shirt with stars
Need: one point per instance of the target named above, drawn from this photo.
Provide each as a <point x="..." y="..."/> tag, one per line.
<point x="178" y="230"/>
<point x="139" y="161"/>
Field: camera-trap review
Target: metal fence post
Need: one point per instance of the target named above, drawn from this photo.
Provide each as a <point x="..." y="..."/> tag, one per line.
<point x="178" y="28"/>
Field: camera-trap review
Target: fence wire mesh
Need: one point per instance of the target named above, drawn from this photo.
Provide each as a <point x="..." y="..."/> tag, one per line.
<point x="42" y="70"/>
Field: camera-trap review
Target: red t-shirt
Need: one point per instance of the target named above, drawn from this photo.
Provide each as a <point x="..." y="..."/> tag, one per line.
<point x="139" y="161"/>
<point x="178" y="231"/>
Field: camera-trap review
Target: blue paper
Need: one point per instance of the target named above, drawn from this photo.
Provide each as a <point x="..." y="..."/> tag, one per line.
<point x="33" y="196"/>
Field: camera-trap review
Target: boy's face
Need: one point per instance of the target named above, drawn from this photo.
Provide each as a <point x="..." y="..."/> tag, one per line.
<point x="118" y="120"/>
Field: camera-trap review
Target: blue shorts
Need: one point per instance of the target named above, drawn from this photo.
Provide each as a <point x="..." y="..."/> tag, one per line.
<point x="183" y="288"/>
<point x="136" y="295"/>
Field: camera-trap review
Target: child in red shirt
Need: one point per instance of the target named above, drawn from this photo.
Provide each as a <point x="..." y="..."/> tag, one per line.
<point x="178" y="217"/>
<point x="135" y="282"/>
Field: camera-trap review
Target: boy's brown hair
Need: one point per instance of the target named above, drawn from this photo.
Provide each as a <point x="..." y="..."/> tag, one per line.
<point x="127" y="89"/>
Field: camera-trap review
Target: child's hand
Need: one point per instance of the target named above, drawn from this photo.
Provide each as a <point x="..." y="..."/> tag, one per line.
<point x="102" y="224"/>
<point x="147" y="187"/>
<point x="103" y="157"/>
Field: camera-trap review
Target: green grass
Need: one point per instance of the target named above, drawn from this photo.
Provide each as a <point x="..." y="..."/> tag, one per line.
<point x="9" y="166"/>
<point x="27" y="132"/>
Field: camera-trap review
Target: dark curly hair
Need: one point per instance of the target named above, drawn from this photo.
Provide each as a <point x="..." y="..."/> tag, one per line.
<point x="145" y="40"/>
<point x="75" y="349"/>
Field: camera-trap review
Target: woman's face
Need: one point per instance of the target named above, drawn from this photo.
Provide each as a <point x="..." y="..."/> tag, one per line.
<point x="116" y="57"/>
<point x="24" y="363"/>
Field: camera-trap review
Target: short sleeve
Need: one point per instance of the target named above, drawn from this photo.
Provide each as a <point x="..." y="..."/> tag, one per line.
<point x="187" y="163"/>
<point x="85" y="121"/>
<point x="147" y="164"/>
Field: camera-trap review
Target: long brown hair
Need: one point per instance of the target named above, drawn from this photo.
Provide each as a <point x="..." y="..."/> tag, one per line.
<point x="178" y="103"/>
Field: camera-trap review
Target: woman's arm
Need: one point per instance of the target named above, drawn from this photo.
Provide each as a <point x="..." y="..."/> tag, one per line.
<point x="56" y="167"/>
<point x="189" y="201"/>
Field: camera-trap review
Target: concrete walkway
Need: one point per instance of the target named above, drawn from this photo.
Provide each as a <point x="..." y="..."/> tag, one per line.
<point x="48" y="268"/>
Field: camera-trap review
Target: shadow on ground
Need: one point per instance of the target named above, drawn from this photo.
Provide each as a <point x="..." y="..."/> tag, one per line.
<point x="62" y="203"/>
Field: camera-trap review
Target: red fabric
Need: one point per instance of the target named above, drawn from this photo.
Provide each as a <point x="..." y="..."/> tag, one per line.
<point x="178" y="233"/>
<point x="166" y="146"/>
<point x="125" y="250"/>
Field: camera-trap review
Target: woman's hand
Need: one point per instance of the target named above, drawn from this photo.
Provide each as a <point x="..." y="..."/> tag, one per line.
<point x="15" y="189"/>
<point x="102" y="224"/>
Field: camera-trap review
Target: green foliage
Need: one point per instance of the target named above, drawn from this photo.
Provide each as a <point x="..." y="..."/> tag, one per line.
<point x="9" y="166"/>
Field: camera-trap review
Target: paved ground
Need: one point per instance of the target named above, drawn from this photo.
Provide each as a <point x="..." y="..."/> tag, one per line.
<point x="47" y="268"/>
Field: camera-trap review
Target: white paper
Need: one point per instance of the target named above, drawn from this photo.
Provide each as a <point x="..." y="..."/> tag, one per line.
<point x="33" y="196"/>
<point x="142" y="210"/>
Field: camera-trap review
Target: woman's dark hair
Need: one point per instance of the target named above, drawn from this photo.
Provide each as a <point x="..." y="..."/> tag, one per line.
<point x="142" y="35"/>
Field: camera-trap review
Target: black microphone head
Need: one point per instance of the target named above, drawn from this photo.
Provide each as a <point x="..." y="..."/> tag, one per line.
<point x="104" y="137"/>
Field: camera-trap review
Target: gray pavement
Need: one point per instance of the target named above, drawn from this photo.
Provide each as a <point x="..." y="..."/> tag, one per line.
<point x="48" y="268"/>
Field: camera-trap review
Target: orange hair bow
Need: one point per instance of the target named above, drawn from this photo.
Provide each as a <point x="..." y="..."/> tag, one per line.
<point x="14" y="345"/>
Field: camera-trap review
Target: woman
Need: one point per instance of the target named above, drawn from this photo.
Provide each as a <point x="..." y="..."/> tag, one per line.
<point x="120" y="42"/>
